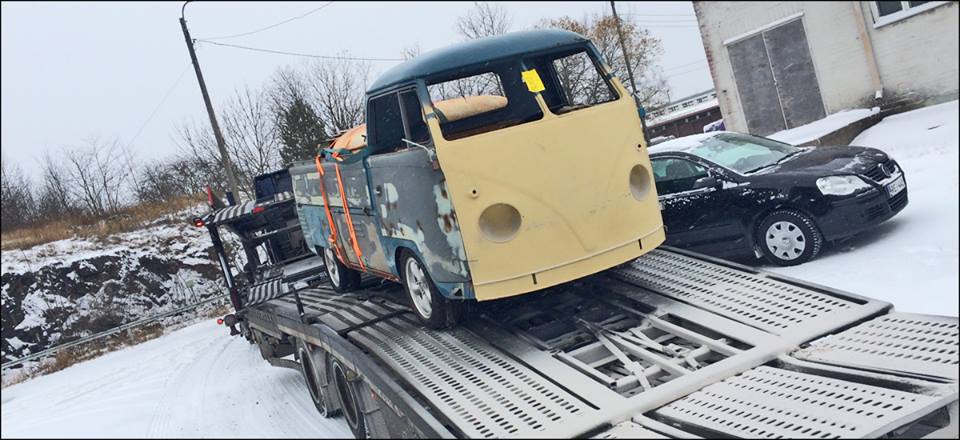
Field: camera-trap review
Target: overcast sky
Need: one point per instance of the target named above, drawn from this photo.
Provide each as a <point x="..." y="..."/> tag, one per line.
<point x="121" y="70"/>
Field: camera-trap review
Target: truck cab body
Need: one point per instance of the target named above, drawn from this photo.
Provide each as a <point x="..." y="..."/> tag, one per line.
<point x="485" y="170"/>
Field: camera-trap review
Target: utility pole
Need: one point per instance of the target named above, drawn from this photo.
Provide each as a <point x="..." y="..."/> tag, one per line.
<point x="221" y="144"/>
<point x="626" y="59"/>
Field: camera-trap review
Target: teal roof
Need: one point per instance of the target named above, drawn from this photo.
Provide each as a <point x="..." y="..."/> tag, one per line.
<point x="475" y="52"/>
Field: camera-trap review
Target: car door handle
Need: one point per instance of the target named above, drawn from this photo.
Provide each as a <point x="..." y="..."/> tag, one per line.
<point x="378" y="190"/>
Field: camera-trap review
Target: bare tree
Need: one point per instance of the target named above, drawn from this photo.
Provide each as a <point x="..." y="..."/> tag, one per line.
<point x="250" y="135"/>
<point x="338" y="92"/>
<point x="644" y="50"/>
<point x="16" y="197"/>
<point x="484" y="20"/>
<point x="55" y="200"/>
<point x="98" y="176"/>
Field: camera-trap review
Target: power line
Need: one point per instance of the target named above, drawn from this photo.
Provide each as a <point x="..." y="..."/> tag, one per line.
<point x="684" y="65"/>
<point x="657" y="15"/>
<point x="271" y="26"/>
<point x="162" y="100"/>
<point x="281" y="52"/>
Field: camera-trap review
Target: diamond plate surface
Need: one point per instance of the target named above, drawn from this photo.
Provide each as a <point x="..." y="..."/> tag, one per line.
<point x="761" y="302"/>
<point x="899" y="342"/>
<point x="768" y="402"/>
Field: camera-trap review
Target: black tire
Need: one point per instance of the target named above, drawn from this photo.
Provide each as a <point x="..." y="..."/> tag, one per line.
<point x="788" y="238"/>
<point x="312" y="366"/>
<point x="342" y="278"/>
<point x="433" y="310"/>
<point x="351" y="404"/>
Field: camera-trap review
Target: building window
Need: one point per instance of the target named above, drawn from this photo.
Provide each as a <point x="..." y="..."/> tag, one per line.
<point x="886" y="12"/>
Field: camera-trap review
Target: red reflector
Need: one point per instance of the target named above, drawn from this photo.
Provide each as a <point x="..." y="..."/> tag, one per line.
<point x="258" y="209"/>
<point x="198" y="222"/>
<point x="219" y="321"/>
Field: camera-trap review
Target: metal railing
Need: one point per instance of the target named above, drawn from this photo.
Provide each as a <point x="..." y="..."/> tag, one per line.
<point x="110" y="332"/>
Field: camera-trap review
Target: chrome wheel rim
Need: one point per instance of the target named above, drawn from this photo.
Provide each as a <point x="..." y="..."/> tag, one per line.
<point x="331" y="261"/>
<point x="416" y="281"/>
<point x="785" y="240"/>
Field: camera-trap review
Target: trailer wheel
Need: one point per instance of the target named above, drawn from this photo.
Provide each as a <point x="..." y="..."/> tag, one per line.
<point x="350" y="402"/>
<point x="433" y="310"/>
<point x="342" y="278"/>
<point x="314" y="374"/>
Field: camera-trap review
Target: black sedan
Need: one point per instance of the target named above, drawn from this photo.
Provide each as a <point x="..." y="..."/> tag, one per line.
<point x="731" y="194"/>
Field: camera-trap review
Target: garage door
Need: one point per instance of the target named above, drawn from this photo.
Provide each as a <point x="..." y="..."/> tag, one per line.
<point x="775" y="79"/>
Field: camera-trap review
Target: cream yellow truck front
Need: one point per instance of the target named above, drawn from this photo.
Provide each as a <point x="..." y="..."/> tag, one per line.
<point x="552" y="182"/>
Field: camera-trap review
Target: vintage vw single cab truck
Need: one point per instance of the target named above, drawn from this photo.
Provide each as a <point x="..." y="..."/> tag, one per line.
<point x="485" y="170"/>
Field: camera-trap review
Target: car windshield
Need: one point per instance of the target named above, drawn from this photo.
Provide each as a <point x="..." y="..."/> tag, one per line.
<point x="743" y="153"/>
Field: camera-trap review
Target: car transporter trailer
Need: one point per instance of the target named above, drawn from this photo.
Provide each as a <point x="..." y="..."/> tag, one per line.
<point x="671" y="345"/>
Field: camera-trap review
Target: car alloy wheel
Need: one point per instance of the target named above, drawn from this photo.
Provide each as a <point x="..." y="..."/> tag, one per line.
<point x="333" y="269"/>
<point x="420" y="294"/>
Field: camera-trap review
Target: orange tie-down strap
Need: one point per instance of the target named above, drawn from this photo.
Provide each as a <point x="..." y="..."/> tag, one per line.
<point x="326" y="207"/>
<point x="346" y="213"/>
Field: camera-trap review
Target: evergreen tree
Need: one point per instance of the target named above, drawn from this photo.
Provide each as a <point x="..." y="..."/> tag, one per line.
<point x="299" y="129"/>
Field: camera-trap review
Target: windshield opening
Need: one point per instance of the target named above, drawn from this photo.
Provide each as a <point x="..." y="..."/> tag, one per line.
<point x="482" y="100"/>
<point x="573" y="81"/>
<point x="743" y="153"/>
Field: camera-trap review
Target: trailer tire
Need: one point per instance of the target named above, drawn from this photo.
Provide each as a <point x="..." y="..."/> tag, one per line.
<point x="350" y="401"/>
<point x="313" y="366"/>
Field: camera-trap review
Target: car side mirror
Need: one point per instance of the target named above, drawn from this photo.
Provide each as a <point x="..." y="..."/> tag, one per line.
<point x="707" y="182"/>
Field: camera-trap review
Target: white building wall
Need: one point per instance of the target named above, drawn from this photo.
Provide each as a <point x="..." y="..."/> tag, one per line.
<point x="911" y="54"/>
<point x="918" y="56"/>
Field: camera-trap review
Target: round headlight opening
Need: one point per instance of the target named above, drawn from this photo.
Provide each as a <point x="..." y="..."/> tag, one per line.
<point x="500" y="222"/>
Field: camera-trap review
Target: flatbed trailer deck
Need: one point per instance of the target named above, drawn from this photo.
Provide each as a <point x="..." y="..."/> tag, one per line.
<point x="674" y="344"/>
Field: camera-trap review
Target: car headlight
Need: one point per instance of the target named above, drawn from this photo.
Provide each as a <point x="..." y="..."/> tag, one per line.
<point x="841" y="185"/>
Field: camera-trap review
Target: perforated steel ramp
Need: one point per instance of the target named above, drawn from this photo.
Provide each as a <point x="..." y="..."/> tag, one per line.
<point x="899" y="343"/>
<point x="753" y="299"/>
<point x="768" y="402"/>
<point x="484" y="393"/>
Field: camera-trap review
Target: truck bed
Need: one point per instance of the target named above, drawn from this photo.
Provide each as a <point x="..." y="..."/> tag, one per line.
<point x="673" y="344"/>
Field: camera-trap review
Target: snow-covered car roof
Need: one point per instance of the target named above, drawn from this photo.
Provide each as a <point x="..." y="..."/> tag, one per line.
<point x="685" y="143"/>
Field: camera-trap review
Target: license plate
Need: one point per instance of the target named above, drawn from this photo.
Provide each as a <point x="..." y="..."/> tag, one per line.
<point x="896" y="186"/>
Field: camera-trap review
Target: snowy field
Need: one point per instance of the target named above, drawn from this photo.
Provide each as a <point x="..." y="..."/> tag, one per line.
<point x="198" y="382"/>
<point x="910" y="260"/>
<point x="194" y="382"/>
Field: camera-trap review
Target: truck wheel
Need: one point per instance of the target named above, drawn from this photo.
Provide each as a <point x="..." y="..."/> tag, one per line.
<point x="314" y="374"/>
<point x="342" y="278"/>
<point x="350" y="403"/>
<point x="431" y="307"/>
<point x="788" y="238"/>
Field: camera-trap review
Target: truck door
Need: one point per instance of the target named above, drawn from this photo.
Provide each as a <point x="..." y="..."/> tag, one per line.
<point x="353" y="177"/>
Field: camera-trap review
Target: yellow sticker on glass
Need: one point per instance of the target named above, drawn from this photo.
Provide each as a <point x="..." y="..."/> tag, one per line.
<point x="532" y="80"/>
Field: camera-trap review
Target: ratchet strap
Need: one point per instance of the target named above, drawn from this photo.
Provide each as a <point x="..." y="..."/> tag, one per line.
<point x="326" y="207"/>
<point x="346" y="213"/>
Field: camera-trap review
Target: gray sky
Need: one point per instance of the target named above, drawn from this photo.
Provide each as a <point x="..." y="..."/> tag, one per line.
<point x="75" y="70"/>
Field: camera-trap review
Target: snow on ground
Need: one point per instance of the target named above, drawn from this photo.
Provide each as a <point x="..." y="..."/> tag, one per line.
<point x="912" y="259"/>
<point x="194" y="382"/>
<point x="821" y="127"/>
<point x="198" y="382"/>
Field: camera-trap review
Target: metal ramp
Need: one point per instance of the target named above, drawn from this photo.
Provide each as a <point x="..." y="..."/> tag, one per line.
<point x="898" y="343"/>
<point x="485" y="393"/>
<point x="744" y="295"/>
<point x="767" y="402"/>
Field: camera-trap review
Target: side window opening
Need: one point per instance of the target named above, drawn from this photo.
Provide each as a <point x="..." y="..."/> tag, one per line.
<point x="576" y="79"/>
<point x="478" y="101"/>
<point x="386" y="126"/>
<point x="413" y="114"/>
<point x="676" y="175"/>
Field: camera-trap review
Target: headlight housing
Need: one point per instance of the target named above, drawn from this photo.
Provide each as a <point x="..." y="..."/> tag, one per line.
<point x="841" y="185"/>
